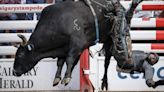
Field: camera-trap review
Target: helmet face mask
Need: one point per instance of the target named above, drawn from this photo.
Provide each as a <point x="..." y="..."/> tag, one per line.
<point x="153" y="58"/>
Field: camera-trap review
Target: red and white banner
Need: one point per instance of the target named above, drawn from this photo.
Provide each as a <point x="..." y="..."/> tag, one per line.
<point x="22" y="8"/>
<point x="151" y="5"/>
<point x="147" y="22"/>
<point x="147" y="35"/>
<point x="149" y="47"/>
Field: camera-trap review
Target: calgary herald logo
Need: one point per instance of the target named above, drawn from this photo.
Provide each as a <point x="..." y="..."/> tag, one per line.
<point x="9" y="81"/>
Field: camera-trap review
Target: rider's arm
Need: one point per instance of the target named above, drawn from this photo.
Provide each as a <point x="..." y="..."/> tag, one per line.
<point x="149" y="72"/>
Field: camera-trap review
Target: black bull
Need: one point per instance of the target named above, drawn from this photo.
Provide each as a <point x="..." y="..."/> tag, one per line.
<point x="64" y="31"/>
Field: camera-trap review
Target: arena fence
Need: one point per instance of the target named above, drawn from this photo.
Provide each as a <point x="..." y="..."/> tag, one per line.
<point x="93" y="70"/>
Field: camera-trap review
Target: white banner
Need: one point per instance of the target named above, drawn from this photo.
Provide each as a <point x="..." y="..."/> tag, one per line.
<point x="123" y="81"/>
<point x="39" y="78"/>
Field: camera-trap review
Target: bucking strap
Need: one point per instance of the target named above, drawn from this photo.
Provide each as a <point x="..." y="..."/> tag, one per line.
<point x="95" y="19"/>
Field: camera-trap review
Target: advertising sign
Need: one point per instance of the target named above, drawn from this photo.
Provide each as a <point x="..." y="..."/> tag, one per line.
<point x="39" y="78"/>
<point x="129" y="82"/>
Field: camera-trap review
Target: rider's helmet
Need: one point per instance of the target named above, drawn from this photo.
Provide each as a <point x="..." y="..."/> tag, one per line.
<point x="152" y="58"/>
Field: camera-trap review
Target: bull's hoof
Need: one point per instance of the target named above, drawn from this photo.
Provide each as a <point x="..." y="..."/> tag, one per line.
<point x="104" y="85"/>
<point x="56" y="81"/>
<point x="65" y="81"/>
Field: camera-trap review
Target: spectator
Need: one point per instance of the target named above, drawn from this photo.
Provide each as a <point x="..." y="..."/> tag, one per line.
<point x="58" y="1"/>
<point x="30" y="16"/>
<point x="161" y="15"/>
<point x="50" y="1"/>
<point x="8" y="16"/>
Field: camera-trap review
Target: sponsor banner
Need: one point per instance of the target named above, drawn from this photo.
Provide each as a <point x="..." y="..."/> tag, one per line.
<point x="39" y="78"/>
<point x="22" y="8"/>
<point x="126" y="82"/>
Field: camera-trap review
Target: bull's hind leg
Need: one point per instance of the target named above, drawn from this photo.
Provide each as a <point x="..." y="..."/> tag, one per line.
<point x="60" y="64"/>
<point x="70" y="62"/>
<point x="76" y="47"/>
<point x="75" y="63"/>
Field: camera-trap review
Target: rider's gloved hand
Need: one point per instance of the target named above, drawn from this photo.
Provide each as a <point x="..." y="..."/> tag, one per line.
<point x="150" y="83"/>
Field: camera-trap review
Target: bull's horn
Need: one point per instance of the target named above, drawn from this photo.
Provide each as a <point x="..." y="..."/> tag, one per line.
<point x="23" y="39"/>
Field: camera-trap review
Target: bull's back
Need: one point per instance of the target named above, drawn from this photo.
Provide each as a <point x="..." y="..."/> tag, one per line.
<point x="57" y="22"/>
<point x="55" y="25"/>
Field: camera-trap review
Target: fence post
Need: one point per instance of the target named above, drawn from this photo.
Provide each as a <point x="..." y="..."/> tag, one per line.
<point x="85" y="83"/>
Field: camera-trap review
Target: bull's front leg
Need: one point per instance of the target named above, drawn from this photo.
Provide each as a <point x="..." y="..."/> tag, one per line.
<point x="108" y="55"/>
<point x="60" y="64"/>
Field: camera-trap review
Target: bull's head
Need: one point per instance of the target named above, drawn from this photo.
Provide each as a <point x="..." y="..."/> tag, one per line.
<point x="23" y="60"/>
<point x="122" y="44"/>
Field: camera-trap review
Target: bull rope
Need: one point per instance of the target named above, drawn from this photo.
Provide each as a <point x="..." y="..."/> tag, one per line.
<point x="95" y="19"/>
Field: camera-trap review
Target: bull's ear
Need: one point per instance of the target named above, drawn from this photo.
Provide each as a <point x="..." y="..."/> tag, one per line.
<point x="30" y="47"/>
<point x="24" y="40"/>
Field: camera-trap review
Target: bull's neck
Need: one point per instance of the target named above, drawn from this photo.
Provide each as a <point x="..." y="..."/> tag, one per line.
<point x="39" y="56"/>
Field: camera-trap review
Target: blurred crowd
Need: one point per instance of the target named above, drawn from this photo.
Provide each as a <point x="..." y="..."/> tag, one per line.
<point x="30" y="16"/>
<point x="18" y="16"/>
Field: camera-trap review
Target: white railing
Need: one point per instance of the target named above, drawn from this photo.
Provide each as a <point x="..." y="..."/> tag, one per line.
<point x="17" y="25"/>
<point x="147" y="47"/>
<point x="135" y="35"/>
<point x="30" y="24"/>
<point x="12" y="37"/>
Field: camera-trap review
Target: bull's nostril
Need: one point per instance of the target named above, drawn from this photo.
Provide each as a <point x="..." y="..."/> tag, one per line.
<point x="16" y="73"/>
